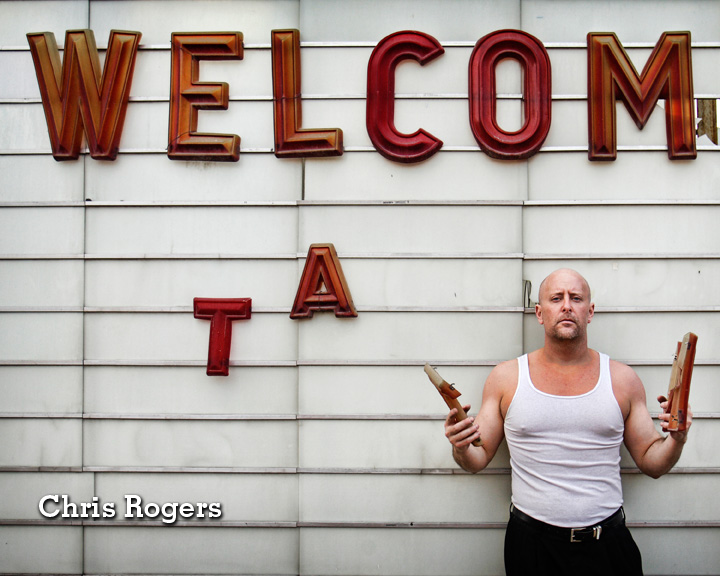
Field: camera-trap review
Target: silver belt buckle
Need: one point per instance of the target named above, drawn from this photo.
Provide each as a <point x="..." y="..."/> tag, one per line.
<point x="596" y="531"/>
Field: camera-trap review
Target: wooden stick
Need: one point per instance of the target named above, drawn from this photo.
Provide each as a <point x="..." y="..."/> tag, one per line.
<point x="679" y="387"/>
<point x="449" y="394"/>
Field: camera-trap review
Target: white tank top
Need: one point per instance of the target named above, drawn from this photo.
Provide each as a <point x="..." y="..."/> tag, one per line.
<point x="565" y="451"/>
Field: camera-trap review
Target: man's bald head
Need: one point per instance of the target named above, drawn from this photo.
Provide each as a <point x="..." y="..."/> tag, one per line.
<point x="562" y="273"/>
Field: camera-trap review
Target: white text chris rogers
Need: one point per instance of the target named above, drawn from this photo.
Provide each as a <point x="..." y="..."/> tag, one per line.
<point x="60" y="505"/>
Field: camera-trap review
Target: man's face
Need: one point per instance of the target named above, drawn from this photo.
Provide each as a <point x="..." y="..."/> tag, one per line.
<point x="564" y="308"/>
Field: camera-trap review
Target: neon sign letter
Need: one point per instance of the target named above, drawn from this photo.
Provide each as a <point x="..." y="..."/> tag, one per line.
<point x="322" y="285"/>
<point x="380" y="117"/>
<point x="79" y="94"/>
<point x="188" y="95"/>
<point x="533" y="57"/>
<point x="221" y="312"/>
<point x="291" y="141"/>
<point x="667" y="74"/>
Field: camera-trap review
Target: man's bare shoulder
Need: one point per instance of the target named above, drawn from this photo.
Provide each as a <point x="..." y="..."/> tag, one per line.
<point x="625" y="381"/>
<point x="623" y="375"/>
<point x="504" y="376"/>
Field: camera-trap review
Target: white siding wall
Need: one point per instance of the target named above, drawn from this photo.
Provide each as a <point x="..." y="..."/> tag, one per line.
<point x="325" y="444"/>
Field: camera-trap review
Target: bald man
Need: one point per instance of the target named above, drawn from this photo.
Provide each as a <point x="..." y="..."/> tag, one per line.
<point x="565" y="410"/>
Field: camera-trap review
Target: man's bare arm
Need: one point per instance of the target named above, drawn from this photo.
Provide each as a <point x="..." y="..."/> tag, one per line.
<point x="654" y="453"/>
<point x="487" y="425"/>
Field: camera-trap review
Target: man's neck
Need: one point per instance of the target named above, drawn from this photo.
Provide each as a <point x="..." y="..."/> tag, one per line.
<point x="566" y="352"/>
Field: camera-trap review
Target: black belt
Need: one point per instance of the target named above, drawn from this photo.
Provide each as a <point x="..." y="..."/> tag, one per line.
<point x="572" y="534"/>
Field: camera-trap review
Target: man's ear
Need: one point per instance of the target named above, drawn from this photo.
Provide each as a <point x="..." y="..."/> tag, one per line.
<point x="538" y="313"/>
<point x="591" y="312"/>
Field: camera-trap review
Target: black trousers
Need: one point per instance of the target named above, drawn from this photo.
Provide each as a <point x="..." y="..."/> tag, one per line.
<point x="531" y="551"/>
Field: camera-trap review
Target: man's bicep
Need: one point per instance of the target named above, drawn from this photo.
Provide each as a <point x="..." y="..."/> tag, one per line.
<point x="490" y="418"/>
<point x="640" y="431"/>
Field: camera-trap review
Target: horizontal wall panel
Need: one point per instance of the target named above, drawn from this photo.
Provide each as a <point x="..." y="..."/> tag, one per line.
<point x="692" y="551"/>
<point x="379" y="445"/>
<point x="145" y="127"/>
<point x="178" y="391"/>
<point x="434" y="283"/>
<point x="41" y="179"/>
<point x="38" y="389"/>
<point x="254" y="18"/>
<point x="643" y="176"/>
<point x="700" y="450"/>
<point x="18" y="73"/>
<point x="632" y="337"/>
<point x="255" y="177"/>
<point x="47" y="442"/>
<point x="182" y="338"/>
<point x="41" y="550"/>
<point x="372" y="20"/>
<point x="637" y="22"/>
<point x="29" y="488"/>
<point x="413" y="229"/>
<point x="42" y="230"/>
<point x="161" y="550"/>
<point x="33" y="283"/>
<point x="382" y="390"/>
<point x="677" y="283"/>
<point x="190" y="444"/>
<point x="24" y="128"/>
<point x="645" y="230"/>
<point x="58" y="16"/>
<point x="399" y="390"/>
<point x="242" y="497"/>
<point x="372" y="177"/>
<point x="192" y="230"/>
<point x="404" y="499"/>
<point x="406" y="552"/>
<point x="478" y="551"/>
<point x="704" y="391"/>
<point x="686" y="498"/>
<point x="569" y="70"/>
<point x="41" y="337"/>
<point x="423" y="336"/>
<point x="146" y="123"/>
<point x="146" y="283"/>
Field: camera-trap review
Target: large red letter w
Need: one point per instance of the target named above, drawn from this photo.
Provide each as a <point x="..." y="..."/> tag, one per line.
<point x="79" y="94"/>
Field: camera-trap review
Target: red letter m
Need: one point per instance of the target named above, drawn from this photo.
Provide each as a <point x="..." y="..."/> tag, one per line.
<point x="79" y="94"/>
<point x="667" y="75"/>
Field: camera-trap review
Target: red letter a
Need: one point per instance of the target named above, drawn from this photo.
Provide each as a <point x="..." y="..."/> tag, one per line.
<point x="322" y="285"/>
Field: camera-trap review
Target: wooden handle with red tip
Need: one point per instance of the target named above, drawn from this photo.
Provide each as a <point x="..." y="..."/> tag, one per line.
<point x="679" y="387"/>
<point x="449" y="394"/>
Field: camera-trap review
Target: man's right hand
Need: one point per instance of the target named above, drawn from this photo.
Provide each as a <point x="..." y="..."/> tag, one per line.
<point x="461" y="434"/>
